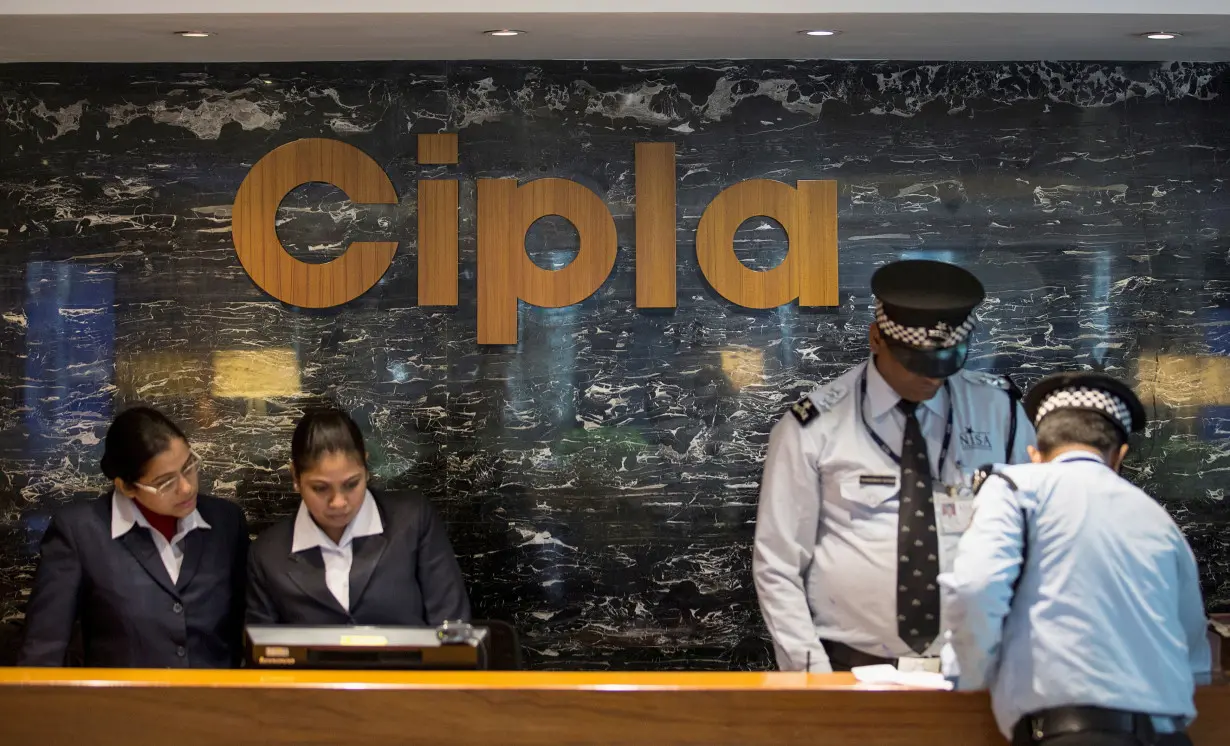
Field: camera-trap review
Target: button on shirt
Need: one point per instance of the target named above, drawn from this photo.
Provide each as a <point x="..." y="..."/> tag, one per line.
<point x="125" y="516"/>
<point x="1108" y="611"/>
<point x="338" y="557"/>
<point x="825" y="558"/>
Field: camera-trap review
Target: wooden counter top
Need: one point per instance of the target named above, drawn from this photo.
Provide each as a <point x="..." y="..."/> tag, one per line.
<point x="83" y="707"/>
<point x="526" y="680"/>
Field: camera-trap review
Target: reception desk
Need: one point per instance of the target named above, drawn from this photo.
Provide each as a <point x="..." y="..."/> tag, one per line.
<point x="84" y="707"/>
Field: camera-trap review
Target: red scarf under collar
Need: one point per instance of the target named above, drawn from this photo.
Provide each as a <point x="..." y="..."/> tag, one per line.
<point x="163" y="524"/>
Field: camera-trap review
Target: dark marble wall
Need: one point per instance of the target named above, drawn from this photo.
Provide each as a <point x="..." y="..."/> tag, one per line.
<point x="600" y="479"/>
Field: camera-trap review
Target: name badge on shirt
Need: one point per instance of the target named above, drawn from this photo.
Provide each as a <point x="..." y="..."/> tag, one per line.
<point x="877" y="480"/>
<point x="953" y="512"/>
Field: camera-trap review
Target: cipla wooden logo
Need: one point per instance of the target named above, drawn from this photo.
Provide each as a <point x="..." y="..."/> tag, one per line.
<point x="506" y="210"/>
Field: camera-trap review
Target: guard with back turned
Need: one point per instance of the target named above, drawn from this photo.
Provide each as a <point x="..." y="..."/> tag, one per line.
<point x="866" y="486"/>
<point x="1074" y="597"/>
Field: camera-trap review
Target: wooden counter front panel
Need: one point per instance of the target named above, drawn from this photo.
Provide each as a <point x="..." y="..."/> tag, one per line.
<point x="236" y="709"/>
<point x="267" y="717"/>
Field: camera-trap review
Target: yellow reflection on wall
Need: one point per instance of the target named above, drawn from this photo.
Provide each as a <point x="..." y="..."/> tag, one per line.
<point x="743" y="367"/>
<point x="151" y="375"/>
<point x="1184" y="380"/>
<point x="255" y="374"/>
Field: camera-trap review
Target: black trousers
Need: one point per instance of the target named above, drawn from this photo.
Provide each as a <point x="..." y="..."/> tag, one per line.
<point x="843" y="657"/>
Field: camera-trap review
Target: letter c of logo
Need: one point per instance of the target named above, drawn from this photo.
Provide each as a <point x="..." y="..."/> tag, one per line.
<point x="253" y="223"/>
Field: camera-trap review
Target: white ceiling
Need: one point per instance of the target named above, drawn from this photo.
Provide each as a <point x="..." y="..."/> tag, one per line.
<point x="397" y="7"/>
<point x="281" y="30"/>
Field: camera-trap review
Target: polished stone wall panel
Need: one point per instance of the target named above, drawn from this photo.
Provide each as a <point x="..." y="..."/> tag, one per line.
<point x="600" y="478"/>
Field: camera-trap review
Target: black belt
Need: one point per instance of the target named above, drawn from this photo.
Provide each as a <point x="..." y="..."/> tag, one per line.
<point x="842" y="657"/>
<point x="1063" y="721"/>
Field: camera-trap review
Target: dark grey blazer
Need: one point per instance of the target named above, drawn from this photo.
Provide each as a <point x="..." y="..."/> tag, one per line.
<point x="131" y="615"/>
<point x="407" y="575"/>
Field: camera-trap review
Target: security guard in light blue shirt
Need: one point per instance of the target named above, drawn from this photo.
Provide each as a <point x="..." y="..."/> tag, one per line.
<point x="1074" y="596"/>
<point x="866" y="486"/>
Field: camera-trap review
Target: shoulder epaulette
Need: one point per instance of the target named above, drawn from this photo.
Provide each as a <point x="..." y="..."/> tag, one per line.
<point x="804" y="410"/>
<point x="987" y="379"/>
<point x="807" y="409"/>
<point x="984" y="472"/>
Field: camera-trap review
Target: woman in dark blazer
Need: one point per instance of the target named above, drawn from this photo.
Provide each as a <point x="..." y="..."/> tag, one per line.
<point x="348" y="556"/>
<point x="153" y="571"/>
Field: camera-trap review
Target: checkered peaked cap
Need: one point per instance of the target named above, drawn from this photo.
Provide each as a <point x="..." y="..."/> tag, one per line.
<point x="926" y="304"/>
<point x="1089" y="391"/>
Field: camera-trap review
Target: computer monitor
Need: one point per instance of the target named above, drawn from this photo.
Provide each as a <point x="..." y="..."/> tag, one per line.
<point x="451" y="646"/>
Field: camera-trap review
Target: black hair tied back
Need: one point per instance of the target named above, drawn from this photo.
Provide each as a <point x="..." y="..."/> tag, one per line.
<point x="136" y="437"/>
<point x="325" y="431"/>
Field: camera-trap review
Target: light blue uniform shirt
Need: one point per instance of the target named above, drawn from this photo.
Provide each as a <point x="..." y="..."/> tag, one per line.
<point x="825" y="559"/>
<point x="1108" y="611"/>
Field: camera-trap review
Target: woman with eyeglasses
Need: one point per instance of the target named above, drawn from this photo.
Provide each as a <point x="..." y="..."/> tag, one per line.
<point x="154" y="571"/>
<point x="350" y="557"/>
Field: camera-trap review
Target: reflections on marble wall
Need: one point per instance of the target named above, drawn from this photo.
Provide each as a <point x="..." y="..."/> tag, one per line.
<point x="69" y="352"/>
<point x="600" y="478"/>
<point x="1184" y="380"/>
<point x="270" y="373"/>
<point x="743" y="367"/>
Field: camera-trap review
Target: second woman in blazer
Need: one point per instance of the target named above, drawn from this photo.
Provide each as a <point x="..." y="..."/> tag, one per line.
<point x="348" y="556"/>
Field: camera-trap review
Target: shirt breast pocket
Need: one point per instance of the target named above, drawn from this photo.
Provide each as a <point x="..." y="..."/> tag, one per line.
<point x="866" y="496"/>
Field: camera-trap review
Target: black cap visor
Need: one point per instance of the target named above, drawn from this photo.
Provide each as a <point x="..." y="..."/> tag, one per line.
<point x="940" y="362"/>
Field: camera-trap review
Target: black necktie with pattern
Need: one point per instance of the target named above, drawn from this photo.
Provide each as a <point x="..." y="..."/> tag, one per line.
<point x="918" y="596"/>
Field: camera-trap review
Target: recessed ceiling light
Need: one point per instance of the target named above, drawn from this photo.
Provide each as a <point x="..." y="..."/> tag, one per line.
<point x="193" y="34"/>
<point x="820" y="32"/>
<point x="504" y="32"/>
<point x="1161" y="35"/>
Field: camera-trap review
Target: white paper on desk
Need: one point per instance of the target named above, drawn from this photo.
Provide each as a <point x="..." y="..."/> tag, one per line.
<point x="886" y="674"/>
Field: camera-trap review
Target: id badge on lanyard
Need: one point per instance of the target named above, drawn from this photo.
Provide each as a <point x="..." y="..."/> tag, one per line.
<point x="954" y="505"/>
<point x="953" y="513"/>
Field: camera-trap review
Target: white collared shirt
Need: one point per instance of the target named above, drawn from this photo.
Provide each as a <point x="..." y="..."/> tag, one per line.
<point x="338" y="557"/>
<point x="889" y="421"/>
<point x="125" y="516"/>
<point x="825" y="558"/>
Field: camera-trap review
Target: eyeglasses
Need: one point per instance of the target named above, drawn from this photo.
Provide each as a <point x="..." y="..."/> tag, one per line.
<point x="187" y="471"/>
